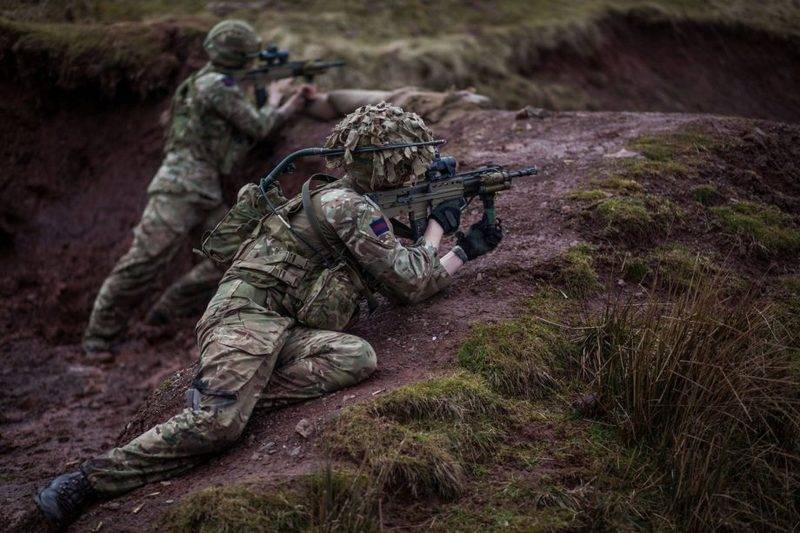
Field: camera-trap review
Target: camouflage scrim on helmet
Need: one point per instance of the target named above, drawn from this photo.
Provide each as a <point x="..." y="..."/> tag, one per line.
<point x="232" y="43"/>
<point x="380" y="124"/>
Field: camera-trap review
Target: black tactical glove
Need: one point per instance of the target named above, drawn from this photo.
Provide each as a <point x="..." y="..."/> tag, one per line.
<point x="481" y="239"/>
<point x="448" y="215"/>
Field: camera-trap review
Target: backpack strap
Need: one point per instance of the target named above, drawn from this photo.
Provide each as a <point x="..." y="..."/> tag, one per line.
<point x="331" y="241"/>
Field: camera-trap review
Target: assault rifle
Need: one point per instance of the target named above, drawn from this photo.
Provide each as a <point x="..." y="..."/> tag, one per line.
<point x="274" y="65"/>
<point x="441" y="184"/>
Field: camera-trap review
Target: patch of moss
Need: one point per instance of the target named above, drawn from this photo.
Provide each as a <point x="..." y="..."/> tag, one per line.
<point x="587" y="195"/>
<point x="236" y="508"/>
<point x="587" y="482"/>
<point x="576" y="270"/>
<point x="705" y="194"/>
<point x="763" y="228"/>
<point x="327" y="500"/>
<point x="674" y="155"/>
<point x="518" y="357"/>
<point x="617" y="183"/>
<point x="421" y="439"/>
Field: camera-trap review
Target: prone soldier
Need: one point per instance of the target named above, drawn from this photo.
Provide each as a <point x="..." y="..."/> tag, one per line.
<point x="212" y="125"/>
<point x="273" y="333"/>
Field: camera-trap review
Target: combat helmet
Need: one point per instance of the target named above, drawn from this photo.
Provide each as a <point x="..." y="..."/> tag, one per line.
<point x="232" y="43"/>
<point x="381" y="124"/>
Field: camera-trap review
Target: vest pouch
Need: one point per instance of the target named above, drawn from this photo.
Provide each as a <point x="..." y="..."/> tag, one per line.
<point x="221" y="244"/>
<point x="331" y="301"/>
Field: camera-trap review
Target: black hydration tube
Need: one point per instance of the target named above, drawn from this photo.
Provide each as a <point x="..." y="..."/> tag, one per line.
<point x="273" y="174"/>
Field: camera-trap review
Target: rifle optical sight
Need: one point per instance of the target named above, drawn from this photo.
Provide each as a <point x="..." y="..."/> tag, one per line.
<point x="273" y="56"/>
<point x="441" y="168"/>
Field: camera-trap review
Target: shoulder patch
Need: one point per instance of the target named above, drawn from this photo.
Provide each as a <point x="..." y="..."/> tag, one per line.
<point x="228" y="81"/>
<point x="379" y="226"/>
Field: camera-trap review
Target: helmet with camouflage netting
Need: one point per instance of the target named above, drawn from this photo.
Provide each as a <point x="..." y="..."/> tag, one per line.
<point x="232" y="44"/>
<point x="381" y="124"/>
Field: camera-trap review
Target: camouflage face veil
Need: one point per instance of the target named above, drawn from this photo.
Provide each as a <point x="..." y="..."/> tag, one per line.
<point x="376" y="125"/>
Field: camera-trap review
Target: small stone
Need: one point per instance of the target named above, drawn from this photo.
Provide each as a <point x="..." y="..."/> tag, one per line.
<point x="348" y="397"/>
<point x="169" y="501"/>
<point x="295" y="451"/>
<point x="479" y="277"/>
<point x="255" y="457"/>
<point x="269" y="447"/>
<point x="137" y="509"/>
<point x="530" y="111"/>
<point x="304" y="428"/>
<point x="166" y="483"/>
<point x="113" y="506"/>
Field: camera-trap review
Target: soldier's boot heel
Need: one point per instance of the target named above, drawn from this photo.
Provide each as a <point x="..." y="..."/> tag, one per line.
<point x="63" y="500"/>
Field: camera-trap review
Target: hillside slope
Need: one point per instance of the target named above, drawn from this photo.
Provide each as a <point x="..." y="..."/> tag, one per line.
<point x="43" y="437"/>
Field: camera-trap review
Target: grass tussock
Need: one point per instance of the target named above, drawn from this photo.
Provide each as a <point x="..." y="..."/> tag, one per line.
<point x="705" y="384"/>
<point x="421" y="439"/>
<point x="328" y="500"/>
<point x="520" y="357"/>
<point x="632" y="219"/>
<point x="762" y="228"/>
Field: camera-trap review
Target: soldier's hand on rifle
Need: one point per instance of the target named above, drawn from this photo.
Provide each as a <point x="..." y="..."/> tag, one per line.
<point x="448" y="215"/>
<point x="277" y="89"/>
<point x="481" y="239"/>
<point x="296" y="102"/>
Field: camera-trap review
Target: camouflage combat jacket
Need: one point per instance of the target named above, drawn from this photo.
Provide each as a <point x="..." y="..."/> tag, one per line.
<point x="212" y="124"/>
<point x="312" y="285"/>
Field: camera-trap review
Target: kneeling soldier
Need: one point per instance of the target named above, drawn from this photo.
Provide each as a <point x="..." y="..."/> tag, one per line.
<point x="273" y="331"/>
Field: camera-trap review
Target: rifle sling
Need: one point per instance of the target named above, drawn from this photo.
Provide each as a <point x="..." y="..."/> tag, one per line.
<point x="328" y="241"/>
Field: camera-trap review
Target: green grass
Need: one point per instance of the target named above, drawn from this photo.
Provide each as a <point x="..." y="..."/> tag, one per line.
<point x="705" y="194"/>
<point x="522" y="357"/>
<point x="765" y="229"/>
<point x="420" y="440"/>
<point x="327" y="500"/>
<point x="676" y="267"/>
<point x="617" y="183"/>
<point x="632" y="219"/>
<point x="576" y="270"/>
<point x="103" y="57"/>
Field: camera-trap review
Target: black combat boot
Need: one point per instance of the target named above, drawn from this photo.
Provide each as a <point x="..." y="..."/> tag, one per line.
<point x="62" y="501"/>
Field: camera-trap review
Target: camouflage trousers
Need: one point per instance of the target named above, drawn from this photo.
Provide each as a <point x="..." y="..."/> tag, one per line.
<point x="163" y="230"/>
<point x="248" y="355"/>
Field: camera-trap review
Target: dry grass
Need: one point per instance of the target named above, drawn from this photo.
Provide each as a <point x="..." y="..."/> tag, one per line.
<point x="421" y="439"/>
<point x="706" y="385"/>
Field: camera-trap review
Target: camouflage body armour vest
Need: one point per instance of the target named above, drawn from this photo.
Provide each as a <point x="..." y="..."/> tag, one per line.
<point x="204" y="133"/>
<point x="297" y="278"/>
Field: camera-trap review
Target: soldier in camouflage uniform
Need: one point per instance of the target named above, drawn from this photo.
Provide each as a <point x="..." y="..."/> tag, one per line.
<point x="273" y="331"/>
<point x="212" y="125"/>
